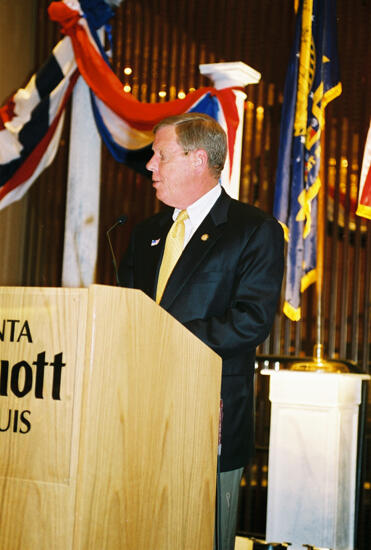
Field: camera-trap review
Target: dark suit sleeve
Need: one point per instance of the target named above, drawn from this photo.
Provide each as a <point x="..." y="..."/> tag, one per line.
<point x="126" y="267"/>
<point x="248" y="318"/>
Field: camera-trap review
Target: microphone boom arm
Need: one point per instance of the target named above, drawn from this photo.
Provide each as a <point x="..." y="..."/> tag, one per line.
<point x="122" y="219"/>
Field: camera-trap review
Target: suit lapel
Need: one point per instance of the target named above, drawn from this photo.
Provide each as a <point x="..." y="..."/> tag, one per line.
<point x="203" y="240"/>
<point x="154" y="244"/>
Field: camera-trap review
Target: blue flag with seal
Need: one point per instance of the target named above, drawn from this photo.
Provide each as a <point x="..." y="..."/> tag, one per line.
<point x="312" y="81"/>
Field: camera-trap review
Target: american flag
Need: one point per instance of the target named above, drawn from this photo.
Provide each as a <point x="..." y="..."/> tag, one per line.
<point x="31" y="121"/>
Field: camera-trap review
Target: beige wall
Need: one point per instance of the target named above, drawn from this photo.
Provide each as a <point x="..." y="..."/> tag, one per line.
<point x="17" y="38"/>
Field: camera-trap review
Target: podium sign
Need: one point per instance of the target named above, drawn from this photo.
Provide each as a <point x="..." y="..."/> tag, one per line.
<point x="42" y="336"/>
<point x="108" y="423"/>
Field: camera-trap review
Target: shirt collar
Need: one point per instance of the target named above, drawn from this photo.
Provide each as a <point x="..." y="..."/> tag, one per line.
<point x="201" y="207"/>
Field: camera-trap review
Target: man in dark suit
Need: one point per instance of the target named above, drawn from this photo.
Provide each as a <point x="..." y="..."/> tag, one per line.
<point x="226" y="283"/>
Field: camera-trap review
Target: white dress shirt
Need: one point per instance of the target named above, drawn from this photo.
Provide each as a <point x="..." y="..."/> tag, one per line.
<point x="198" y="211"/>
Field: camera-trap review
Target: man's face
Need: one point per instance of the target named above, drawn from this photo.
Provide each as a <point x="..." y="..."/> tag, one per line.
<point x="172" y="170"/>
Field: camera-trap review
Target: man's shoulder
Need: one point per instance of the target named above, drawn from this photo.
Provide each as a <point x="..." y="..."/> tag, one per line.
<point x="247" y="214"/>
<point x="244" y="208"/>
<point x="247" y="221"/>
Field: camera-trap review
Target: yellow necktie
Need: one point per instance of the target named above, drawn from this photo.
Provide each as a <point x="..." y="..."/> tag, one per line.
<point x="173" y="249"/>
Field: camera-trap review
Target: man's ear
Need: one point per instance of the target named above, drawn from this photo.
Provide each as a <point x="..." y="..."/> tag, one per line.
<point x="200" y="158"/>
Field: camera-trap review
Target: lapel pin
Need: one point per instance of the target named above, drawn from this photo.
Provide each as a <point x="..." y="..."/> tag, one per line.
<point x="204" y="237"/>
<point x="155" y="242"/>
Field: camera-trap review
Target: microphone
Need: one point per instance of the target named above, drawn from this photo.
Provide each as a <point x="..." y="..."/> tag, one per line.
<point x="122" y="219"/>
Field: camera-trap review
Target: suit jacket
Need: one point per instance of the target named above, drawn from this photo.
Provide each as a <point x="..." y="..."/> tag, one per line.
<point x="225" y="290"/>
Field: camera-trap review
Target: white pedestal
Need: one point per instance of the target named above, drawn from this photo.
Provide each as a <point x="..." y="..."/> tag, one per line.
<point x="312" y="458"/>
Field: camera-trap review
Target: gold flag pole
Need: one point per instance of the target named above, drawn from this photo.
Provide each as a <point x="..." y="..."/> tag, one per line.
<point x="319" y="363"/>
<point x="318" y="351"/>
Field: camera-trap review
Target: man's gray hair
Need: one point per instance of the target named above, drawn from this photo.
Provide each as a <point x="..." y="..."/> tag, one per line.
<point x="200" y="131"/>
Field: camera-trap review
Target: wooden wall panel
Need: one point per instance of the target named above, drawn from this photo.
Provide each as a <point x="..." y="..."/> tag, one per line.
<point x="163" y="43"/>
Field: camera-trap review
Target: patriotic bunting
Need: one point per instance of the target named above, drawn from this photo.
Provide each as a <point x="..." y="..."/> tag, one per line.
<point x="31" y="121"/>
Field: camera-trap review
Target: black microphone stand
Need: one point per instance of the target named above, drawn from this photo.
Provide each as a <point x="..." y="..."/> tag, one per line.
<point x="122" y="219"/>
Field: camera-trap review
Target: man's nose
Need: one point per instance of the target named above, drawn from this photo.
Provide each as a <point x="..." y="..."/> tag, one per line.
<point x="151" y="164"/>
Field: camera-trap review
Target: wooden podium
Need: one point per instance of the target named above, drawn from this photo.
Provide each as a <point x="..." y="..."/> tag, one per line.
<point x="109" y="413"/>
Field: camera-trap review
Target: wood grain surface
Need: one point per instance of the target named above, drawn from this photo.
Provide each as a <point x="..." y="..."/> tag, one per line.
<point x="109" y="419"/>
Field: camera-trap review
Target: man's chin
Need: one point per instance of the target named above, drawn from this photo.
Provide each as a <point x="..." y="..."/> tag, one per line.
<point x="159" y="196"/>
<point x="163" y="199"/>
